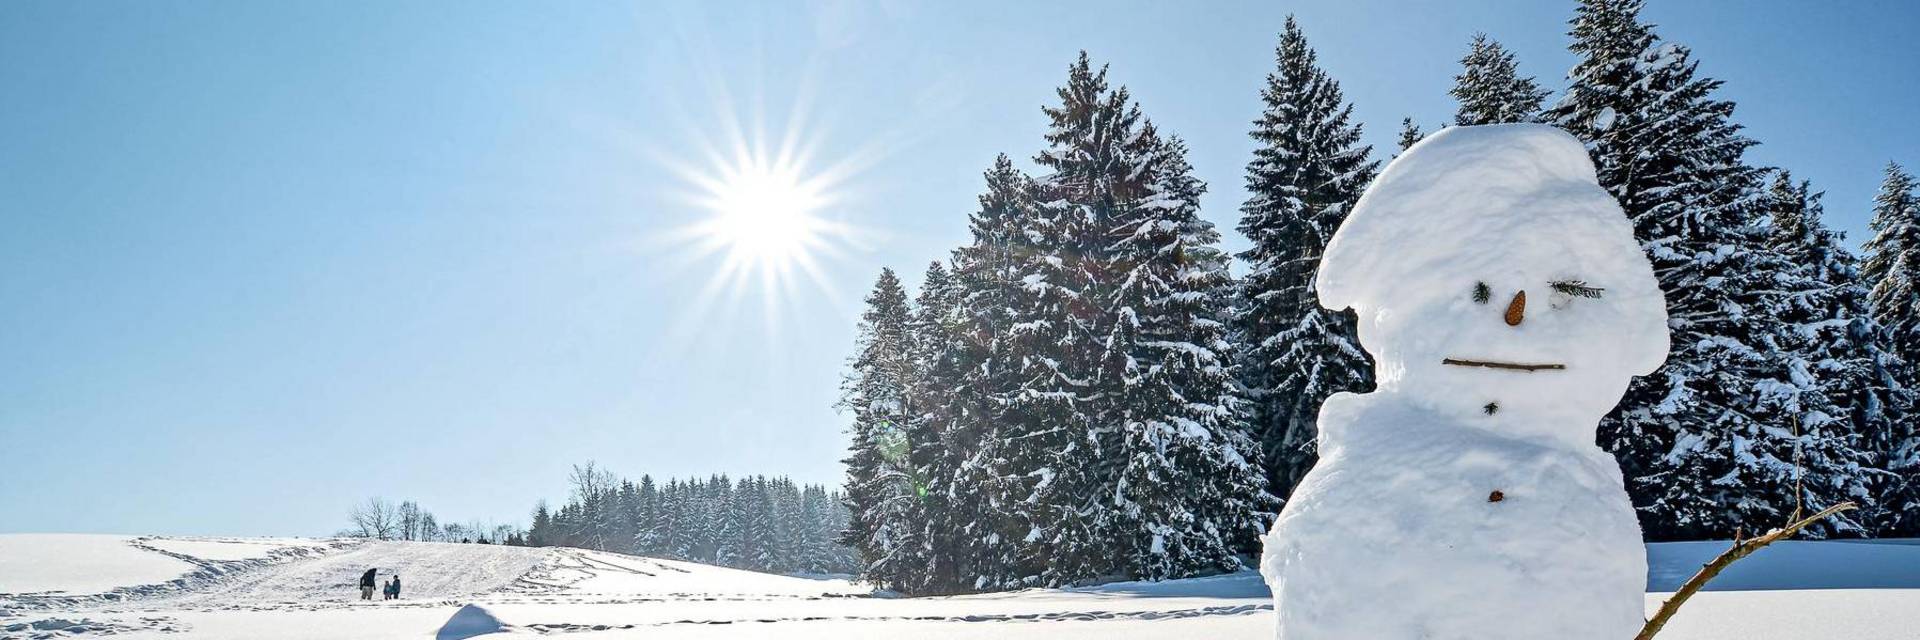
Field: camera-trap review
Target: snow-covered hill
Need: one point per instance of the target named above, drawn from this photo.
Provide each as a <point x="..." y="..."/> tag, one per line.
<point x="59" y="586"/>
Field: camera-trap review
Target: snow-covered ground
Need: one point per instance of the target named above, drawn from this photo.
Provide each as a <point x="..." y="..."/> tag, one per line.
<point x="59" y="586"/>
<point x="79" y="564"/>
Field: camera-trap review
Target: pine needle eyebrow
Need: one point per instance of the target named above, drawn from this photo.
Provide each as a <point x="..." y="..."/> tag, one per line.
<point x="1576" y="288"/>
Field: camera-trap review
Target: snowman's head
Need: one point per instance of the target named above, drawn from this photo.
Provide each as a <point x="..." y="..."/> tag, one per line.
<point x="1495" y="279"/>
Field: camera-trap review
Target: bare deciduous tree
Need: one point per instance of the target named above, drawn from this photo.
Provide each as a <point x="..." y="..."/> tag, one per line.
<point x="375" y="518"/>
<point x="590" y="481"/>
<point x="409" y="520"/>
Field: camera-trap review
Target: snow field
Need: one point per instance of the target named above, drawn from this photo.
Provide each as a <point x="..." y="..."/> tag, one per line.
<point x="79" y="564"/>
<point x="1857" y="591"/>
<point x="230" y="549"/>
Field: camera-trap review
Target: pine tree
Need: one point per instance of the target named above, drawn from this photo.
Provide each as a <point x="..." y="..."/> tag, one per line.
<point x="1490" y="89"/>
<point x="710" y="518"/>
<point x="979" y="420"/>
<point x="938" y="357"/>
<point x="880" y="488"/>
<point x="541" y="532"/>
<point x="623" y="529"/>
<point x="1891" y="272"/>
<point x="809" y="544"/>
<point x="789" y="544"/>
<point x="1189" y="491"/>
<point x="671" y="533"/>
<point x="1092" y="143"/>
<point x="1706" y="443"/>
<point x="1132" y="432"/>
<point x="756" y="535"/>
<point x="843" y="560"/>
<point x="646" y="526"/>
<point x="1308" y="170"/>
<point x="1892" y="266"/>
<point x="1857" y="403"/>
<point x="1409" y="134"/>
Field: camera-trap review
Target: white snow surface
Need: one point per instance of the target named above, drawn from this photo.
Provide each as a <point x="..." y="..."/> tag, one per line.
<point x="1464" y="501"/>
<point x="1859" y="591"/>
<point x="471" y="620"/>
<point x="230" y="549"/>
<point x="79" y="564"/>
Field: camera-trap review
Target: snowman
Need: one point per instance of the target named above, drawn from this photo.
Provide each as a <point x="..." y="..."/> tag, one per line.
<point x="1507" y="306"/>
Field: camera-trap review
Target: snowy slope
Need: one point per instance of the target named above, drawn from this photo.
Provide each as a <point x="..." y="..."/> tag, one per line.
<point x="428" y="571"/>
<point x="581" y="572"/>
<point x="230" y="549"/>
<point x="79" y="564"/>
<point x="297" y="589"/>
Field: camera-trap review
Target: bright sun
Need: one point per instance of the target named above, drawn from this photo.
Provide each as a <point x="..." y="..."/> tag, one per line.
<point x="764" y="216"/>
<point x="768" y="217"/>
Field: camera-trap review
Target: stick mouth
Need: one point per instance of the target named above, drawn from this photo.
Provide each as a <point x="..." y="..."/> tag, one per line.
<point x="1509" y="366"/>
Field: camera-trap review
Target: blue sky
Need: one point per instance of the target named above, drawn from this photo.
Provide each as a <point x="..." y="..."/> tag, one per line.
<point x="259" y="261"/>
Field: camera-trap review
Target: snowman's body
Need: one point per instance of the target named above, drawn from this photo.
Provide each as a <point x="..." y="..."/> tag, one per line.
<point x="1559" y="556"/>
<point x="1466" y="498"/>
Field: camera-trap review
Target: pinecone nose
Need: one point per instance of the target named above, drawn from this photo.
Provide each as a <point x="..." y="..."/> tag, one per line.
<point x="1517" y="310"/>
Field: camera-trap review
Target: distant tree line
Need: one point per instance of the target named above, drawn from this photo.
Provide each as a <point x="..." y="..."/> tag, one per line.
<point x="1083" y="392"/>
<point x="382" y="519"/>
<point x="756" y="523"/>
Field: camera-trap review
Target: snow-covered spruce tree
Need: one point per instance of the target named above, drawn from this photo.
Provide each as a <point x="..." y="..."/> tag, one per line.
<point x="1189" y="491"/>
<point x="1306" y="173"/>
<point x="731" y="541"/>
<point x="702" y="525"/>
<point x="1058" y="333"/>
<point x="1858" y="402"/>
<point x="1490" y="89"/>
<point x="646" y="526"/>
<point x="759" y="551"/>
<point x="706" y="502"/>
<point x="986" y="415"/>
<point x="716" y="526"/>
<point x="1149" y="471"/>
<point x="1706" y="442"/>
<point x="789" y="530"/>
<point x="672" y="535"/>
<point x="625" y="527"/>
<point x="938" y="358"/>
<point x="1891" y="272"/>
<point x="789" y="524"/>
<point x="1892" y="266"/>
<point x="808" y="540"/>
<point x="880" y="487"/>
<point x="844" y="558"/>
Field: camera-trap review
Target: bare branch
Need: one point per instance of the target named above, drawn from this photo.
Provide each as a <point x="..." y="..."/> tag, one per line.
<point x="1502" y="365"/>
<point x="1740" y="549"/>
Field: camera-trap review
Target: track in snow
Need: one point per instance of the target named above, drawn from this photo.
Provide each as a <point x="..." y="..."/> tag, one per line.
<point x="429" y="572"/>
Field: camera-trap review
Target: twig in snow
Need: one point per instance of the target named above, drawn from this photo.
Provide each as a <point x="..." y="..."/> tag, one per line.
<point x="1740" y="549"/>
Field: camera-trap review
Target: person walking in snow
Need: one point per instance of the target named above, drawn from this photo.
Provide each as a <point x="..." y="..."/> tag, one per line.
<point x="395" y="586"/>
<point x="366" y="584"/>
<point x="386" y="590"/>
